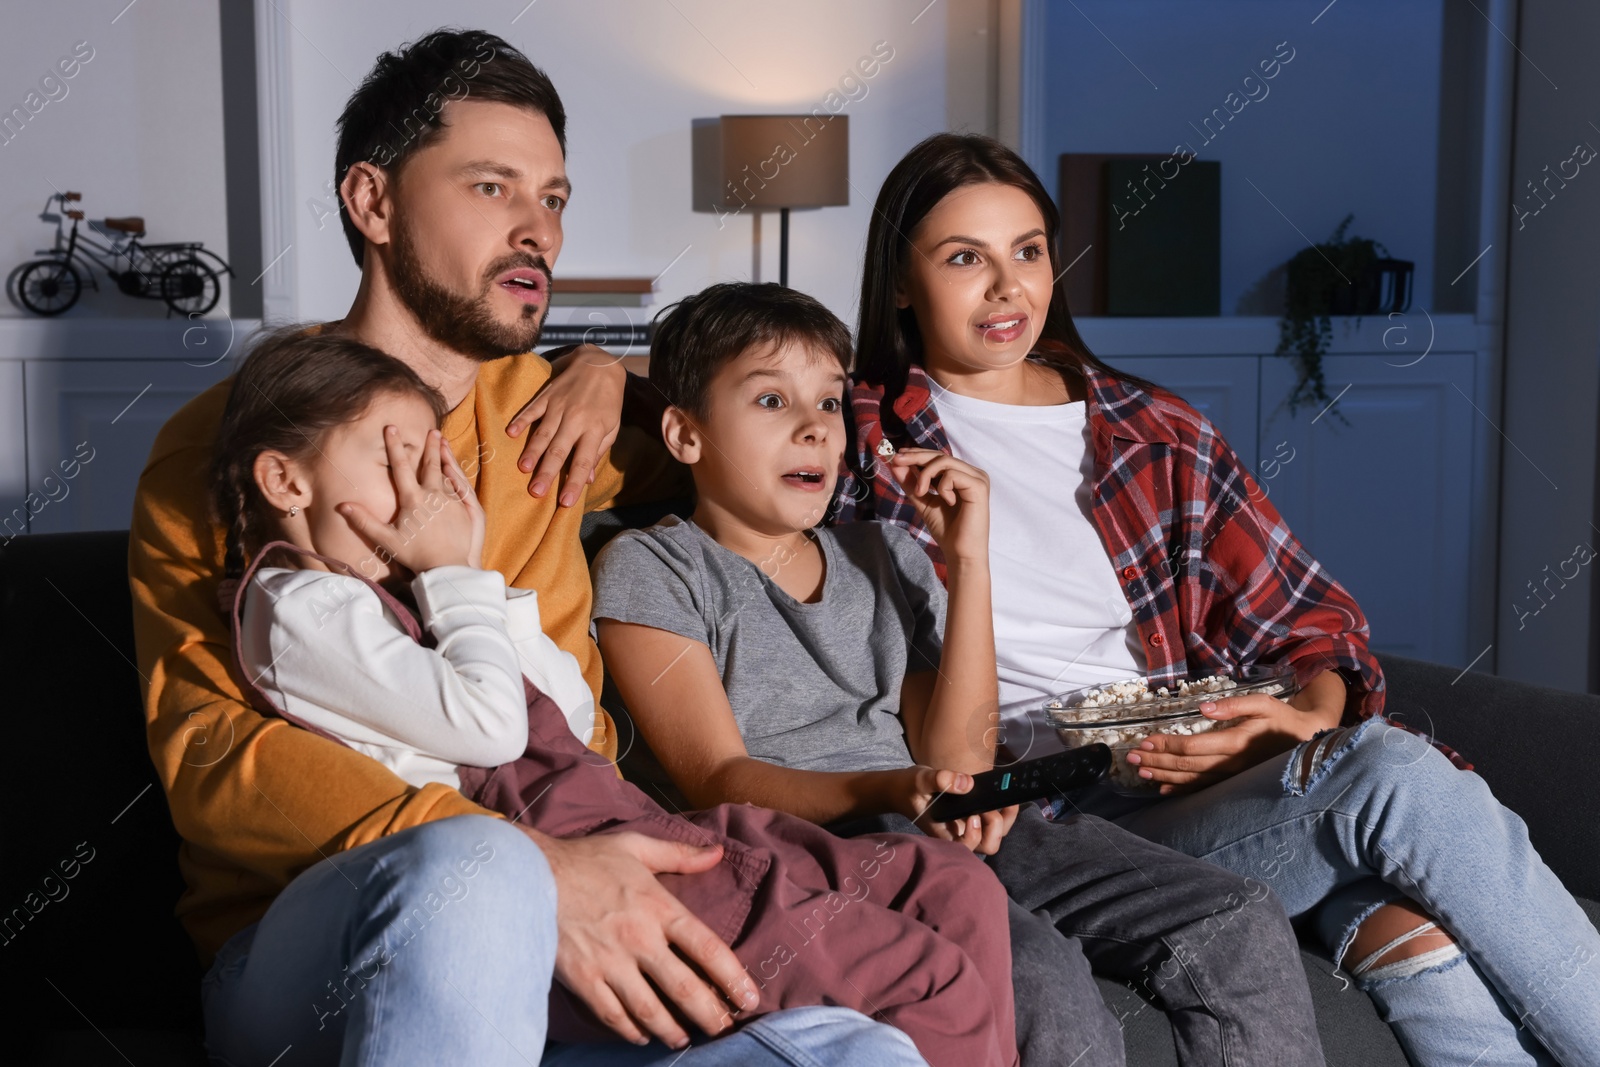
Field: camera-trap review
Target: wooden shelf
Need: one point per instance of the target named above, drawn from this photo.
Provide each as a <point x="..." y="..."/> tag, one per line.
<point x="603" y="285"/>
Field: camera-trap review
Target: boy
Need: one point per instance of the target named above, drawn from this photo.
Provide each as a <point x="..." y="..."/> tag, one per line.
<point x="833" y="677"/>
<point x="863" y="598"/>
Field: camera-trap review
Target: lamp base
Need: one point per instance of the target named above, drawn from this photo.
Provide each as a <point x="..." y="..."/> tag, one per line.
<point x="783" y="247"/>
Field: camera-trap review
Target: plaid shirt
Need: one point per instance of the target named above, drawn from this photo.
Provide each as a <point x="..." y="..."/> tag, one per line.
<point x="1215" y="579"/>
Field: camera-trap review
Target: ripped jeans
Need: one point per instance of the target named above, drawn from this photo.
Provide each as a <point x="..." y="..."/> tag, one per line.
<point x="1384" y="815"/>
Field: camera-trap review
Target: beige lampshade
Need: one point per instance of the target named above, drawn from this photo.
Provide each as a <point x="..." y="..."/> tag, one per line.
<point x="768" y="162"/>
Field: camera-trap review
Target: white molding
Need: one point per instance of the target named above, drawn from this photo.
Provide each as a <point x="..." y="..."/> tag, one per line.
<point x="199" y="342"/>
<point x="1008" y="73"/>
<point x="1400" y="340"/>
<point x="13" y="447"/>
<point x="274" y="109"/>
<point x="1256" y="335"/>
<point x="203" y="340"/>
<point x="1031" y="125"/>
<point x="1499" y="108"/>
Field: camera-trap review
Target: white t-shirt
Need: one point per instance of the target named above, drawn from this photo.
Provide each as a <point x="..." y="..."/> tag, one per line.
<point x="1061" y="620"/>
<point x="330" y="653"/>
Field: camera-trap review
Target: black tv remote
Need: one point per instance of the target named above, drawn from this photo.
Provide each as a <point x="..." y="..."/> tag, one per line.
<point x="1032" y="779"/>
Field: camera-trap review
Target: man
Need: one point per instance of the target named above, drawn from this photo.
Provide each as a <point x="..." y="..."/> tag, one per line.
<point x="353" y="918"/>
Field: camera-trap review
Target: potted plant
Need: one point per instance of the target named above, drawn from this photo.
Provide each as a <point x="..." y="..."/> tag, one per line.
<point x="1341" y="276"/>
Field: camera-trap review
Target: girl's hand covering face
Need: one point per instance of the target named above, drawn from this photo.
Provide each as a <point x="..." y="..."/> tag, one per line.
<point x="460" y="487"/>
<point x="952" y="500"/>
<point x="437" y="523"/>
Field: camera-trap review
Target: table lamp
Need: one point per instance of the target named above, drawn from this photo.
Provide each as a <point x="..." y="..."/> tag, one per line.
<point x="772" y="163"/>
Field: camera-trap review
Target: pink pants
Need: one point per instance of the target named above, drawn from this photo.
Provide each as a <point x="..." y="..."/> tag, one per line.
<point x="906" y="929"/>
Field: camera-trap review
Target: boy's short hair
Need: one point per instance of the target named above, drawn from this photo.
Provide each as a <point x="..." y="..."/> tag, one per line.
<point x="397" y="108"/>
<point x="698" y="335"/>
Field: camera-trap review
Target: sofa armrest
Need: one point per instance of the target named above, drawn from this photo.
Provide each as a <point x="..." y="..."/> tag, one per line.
<point x="1539" y="750"/>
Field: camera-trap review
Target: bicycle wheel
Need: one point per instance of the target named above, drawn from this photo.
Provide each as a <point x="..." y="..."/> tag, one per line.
<point x="190" y="287"/>
<point x="49" y="286"/>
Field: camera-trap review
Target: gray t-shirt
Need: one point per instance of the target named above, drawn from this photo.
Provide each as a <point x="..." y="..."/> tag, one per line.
<point x="813" y="686"/>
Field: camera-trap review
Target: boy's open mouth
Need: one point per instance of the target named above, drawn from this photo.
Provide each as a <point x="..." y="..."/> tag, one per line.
<point x="809" y="479"/>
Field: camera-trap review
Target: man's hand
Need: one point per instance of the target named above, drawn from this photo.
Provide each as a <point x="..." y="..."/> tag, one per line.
<point x="981" y="833"/>
<point x="618" y="931"/>
<point x="579" y="412"/>
<point x="1251" y="729"/>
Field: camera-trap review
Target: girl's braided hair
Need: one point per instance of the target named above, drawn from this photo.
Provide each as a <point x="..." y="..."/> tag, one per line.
<point x="293" y="387"/>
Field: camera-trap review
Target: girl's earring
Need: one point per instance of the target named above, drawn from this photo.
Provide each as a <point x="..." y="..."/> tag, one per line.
<point x="294" y="509"/>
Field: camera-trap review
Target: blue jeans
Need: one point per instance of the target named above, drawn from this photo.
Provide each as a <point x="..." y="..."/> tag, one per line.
<point x="437" y="945"/>
<point x="798" y="1037"/>
<point x="1384" y="815"/>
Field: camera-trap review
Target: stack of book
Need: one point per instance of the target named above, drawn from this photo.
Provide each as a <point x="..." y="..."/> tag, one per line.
<point x="613" y="313"/>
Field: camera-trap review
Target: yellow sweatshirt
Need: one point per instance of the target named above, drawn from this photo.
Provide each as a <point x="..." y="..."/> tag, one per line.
<point x="255" y="799"/>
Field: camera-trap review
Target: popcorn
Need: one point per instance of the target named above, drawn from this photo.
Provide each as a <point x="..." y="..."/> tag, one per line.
<point x="886" y="448"/>
<point x="1118" y="715"/>
<point x="1137" y="691"/>
<point x="1124" y="739"/>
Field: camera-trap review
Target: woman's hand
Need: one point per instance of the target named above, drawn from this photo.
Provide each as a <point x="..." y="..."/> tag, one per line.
<point x="951" y="499"/>
<point x="981" y="833"/>
<point x="1258" y="728"/>
<point x="450" y="530"/>
<point x="579" y="412"/>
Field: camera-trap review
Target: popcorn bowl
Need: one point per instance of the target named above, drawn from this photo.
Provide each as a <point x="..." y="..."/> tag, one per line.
<point x="1123" y="714"/>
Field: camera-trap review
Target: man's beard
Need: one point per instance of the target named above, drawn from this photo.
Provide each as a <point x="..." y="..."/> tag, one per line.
<point x="466" y="324"/>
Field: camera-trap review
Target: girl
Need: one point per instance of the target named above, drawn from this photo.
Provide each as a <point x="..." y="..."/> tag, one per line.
<point x="1129" y="540"/>
<point x="367" y="618"/>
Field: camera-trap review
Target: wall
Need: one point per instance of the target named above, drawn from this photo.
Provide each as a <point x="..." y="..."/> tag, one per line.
<point x="138" y="130"/>
<point x="1350" y="124"/>
<point x="1548" y="631"/>
<point x="633" y="76"/>
<point x="1463" y="73"/>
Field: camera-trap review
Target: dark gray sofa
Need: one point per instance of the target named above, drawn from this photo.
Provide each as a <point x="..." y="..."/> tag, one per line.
<point x="102" y="973"/>
<point x="1536" y="748"/>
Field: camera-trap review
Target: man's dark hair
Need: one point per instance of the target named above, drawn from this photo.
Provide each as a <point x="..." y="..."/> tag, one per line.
<point x="698" y="335"/>
<point x="398" y="107"/>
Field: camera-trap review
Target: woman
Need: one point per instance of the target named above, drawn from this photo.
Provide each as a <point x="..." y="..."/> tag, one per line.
<point x="1128" y="539"/>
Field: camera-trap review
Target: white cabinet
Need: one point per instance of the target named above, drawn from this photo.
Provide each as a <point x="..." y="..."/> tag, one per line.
<point x="90" y="427"/>
<point x="1385" y="501"/>
<point x="13" y="454"/>
<point x="1225" y="389"/>
<point x="1392" y="503"/>
<point x="81" y="402"/>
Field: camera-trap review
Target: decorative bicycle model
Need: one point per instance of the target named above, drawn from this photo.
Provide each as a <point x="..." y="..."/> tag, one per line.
<point x="177" y="273"/>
